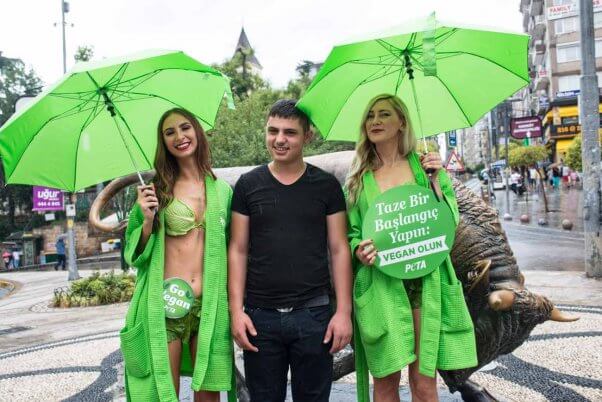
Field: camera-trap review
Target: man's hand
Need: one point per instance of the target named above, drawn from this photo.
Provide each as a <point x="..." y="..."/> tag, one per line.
<point x="339" y="330"/>
<point x="240" y="325"/>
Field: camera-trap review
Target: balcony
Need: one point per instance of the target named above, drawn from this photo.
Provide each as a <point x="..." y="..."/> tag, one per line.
<point x="542" y="79"/>
<point x="536" y="7"/>
<point x="540" y="52"/>
<point x="538" y="27"/>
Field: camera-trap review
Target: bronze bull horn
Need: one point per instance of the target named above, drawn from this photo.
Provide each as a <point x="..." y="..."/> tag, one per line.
<point x="105" y="196"/>
<point x="559" y="316"/>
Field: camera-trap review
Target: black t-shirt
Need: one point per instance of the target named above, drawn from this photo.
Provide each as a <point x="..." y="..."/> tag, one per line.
<point x="287" y="259"/>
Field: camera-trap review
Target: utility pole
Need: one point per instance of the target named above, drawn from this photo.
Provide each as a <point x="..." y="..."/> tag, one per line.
<point x="64" y="10"/>
<point x="506" y="123"/>
<point x="590" y="146"/>
<point x="73" y="273"/>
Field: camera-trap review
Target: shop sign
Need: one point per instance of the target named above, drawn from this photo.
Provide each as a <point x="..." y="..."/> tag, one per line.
<point x="47" y="199"/>
<point x="565" y="129"/>
<point x="569" y="10"/>
<point x="525" y="127"/>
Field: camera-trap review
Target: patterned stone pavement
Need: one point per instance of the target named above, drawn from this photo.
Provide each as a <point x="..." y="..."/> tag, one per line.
<point x="49" y="354"/>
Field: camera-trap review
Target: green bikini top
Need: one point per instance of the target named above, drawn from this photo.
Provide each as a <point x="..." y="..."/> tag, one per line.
<point x="179" y="218"/>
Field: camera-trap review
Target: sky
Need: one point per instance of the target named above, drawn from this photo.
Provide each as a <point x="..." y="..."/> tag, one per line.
<point x="282" y="32"/>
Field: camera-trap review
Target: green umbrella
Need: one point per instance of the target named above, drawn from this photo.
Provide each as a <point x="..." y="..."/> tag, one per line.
<point x="447" y="76"/>
<point x="100" y="120"/>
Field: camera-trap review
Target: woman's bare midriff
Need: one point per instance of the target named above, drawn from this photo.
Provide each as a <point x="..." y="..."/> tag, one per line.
<point x="184" y="258"/>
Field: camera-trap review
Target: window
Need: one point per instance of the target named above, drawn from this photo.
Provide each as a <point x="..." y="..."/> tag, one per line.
<point x="598" y="48"/>
<point x="572" y="83"/>
<point x="566" y="53"/>
<point x="566" y="25"/>
<point x="568" y="83"/>
<point x="571" y="24"/>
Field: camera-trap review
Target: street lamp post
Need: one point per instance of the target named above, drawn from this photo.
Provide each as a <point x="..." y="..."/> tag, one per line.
<point x="73" y="272"/>
<point x="590" y="147"/>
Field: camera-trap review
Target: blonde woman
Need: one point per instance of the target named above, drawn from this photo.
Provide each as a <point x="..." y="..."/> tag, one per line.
<point x="401" y="322"/>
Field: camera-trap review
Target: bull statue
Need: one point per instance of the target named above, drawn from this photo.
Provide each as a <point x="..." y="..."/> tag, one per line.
<point x="503" y="311"/>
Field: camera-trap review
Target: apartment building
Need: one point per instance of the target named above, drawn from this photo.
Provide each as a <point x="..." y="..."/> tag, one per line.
<point x="555" y="67"/>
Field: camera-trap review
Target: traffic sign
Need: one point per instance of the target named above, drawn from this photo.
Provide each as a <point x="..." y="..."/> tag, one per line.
<point x="452" y="139"/>
<point x="454" y="163"/>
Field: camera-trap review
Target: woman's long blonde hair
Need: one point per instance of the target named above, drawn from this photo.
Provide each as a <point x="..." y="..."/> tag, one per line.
<point x="366" y="158"/>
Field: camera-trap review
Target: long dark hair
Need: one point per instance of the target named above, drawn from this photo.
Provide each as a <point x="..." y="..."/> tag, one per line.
<point x="166" y="164"/>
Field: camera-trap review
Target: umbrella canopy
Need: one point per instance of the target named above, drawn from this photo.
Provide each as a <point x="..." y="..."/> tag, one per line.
<point x="100" y="120"/>
<point x="447" y="76"/>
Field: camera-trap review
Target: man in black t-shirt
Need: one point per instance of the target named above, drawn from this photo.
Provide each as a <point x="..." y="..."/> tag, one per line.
<point x="286" y="217"/>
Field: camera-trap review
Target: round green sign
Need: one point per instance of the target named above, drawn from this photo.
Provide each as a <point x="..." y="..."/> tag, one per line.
<point x="178" y="297"/>
<point x="412" y="231"/>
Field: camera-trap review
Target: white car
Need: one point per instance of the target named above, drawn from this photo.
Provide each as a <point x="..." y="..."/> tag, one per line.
<point x="499" y="183"/>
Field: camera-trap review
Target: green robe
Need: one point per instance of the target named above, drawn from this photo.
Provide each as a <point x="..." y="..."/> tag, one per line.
<point x="144" y="340"/>
<point x="383" y="325"/>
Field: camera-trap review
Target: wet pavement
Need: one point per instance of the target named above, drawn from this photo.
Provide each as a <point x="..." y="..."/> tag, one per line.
<point x="563" y="203"/>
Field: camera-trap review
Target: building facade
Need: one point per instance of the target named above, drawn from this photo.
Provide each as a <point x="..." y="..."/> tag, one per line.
<point x="555" y="67"/>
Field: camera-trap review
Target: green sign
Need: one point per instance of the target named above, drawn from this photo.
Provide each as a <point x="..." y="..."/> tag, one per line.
<point x="178" y="297"/>
<point x="412" y="231"/>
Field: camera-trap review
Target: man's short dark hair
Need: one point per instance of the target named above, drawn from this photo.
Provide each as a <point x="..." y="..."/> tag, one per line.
<point x="286" y="109"/>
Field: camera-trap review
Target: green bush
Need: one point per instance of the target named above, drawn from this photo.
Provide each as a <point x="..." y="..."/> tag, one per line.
<point x="96" y="290"/>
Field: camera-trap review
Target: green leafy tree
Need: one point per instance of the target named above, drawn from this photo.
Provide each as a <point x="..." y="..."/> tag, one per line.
<point x="242" y="80"/>
<point x="297" y="87"/>
<point x="573" y="156"/>
<point x="84" y="53"/>
<point x="527" y="155"/>
<point x="238" y="136"/>
<point x="16" y="81"/>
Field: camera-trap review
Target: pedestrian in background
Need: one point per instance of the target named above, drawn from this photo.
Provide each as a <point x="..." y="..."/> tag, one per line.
<point x="7" y="259"/>
<point x="533" y="178"/>
<point x="60" y="253"/>
<point x="565" y="172"/>
<point x="16" y="258"/>
<point x="556" y="174"/>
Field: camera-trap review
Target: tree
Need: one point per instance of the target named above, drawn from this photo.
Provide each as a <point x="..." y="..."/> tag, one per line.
<point x="84" y="53"/>
<point x="297" y="87"/>
<point x="16" y="81"/>
<point x="527" y="155"/>
<point x="573" y="156"/>
<point x="242" y="81"/>
<point x="238" y="136"/>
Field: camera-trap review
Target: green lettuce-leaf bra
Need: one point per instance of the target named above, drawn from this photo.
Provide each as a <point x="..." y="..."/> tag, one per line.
<point x="180" y="218"/>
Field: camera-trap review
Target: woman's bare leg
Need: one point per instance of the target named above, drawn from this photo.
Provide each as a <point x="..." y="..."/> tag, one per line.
<point x="386" y="389"/>
<point x="175" y="352"/>
<point x="423" y="388"/>
<point x="201" y="396"/>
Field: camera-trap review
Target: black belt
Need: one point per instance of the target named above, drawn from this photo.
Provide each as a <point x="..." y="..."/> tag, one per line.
<point x="318" y="301"/>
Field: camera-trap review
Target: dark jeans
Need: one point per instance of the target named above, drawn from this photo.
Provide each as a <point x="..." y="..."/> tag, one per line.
<point x="292" y="339"/>
<point x="60" y="262"/>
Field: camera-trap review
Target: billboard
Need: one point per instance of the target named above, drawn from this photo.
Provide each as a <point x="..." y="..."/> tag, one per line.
<point x="525" y="127"/>
<point x="47" y="199"/>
